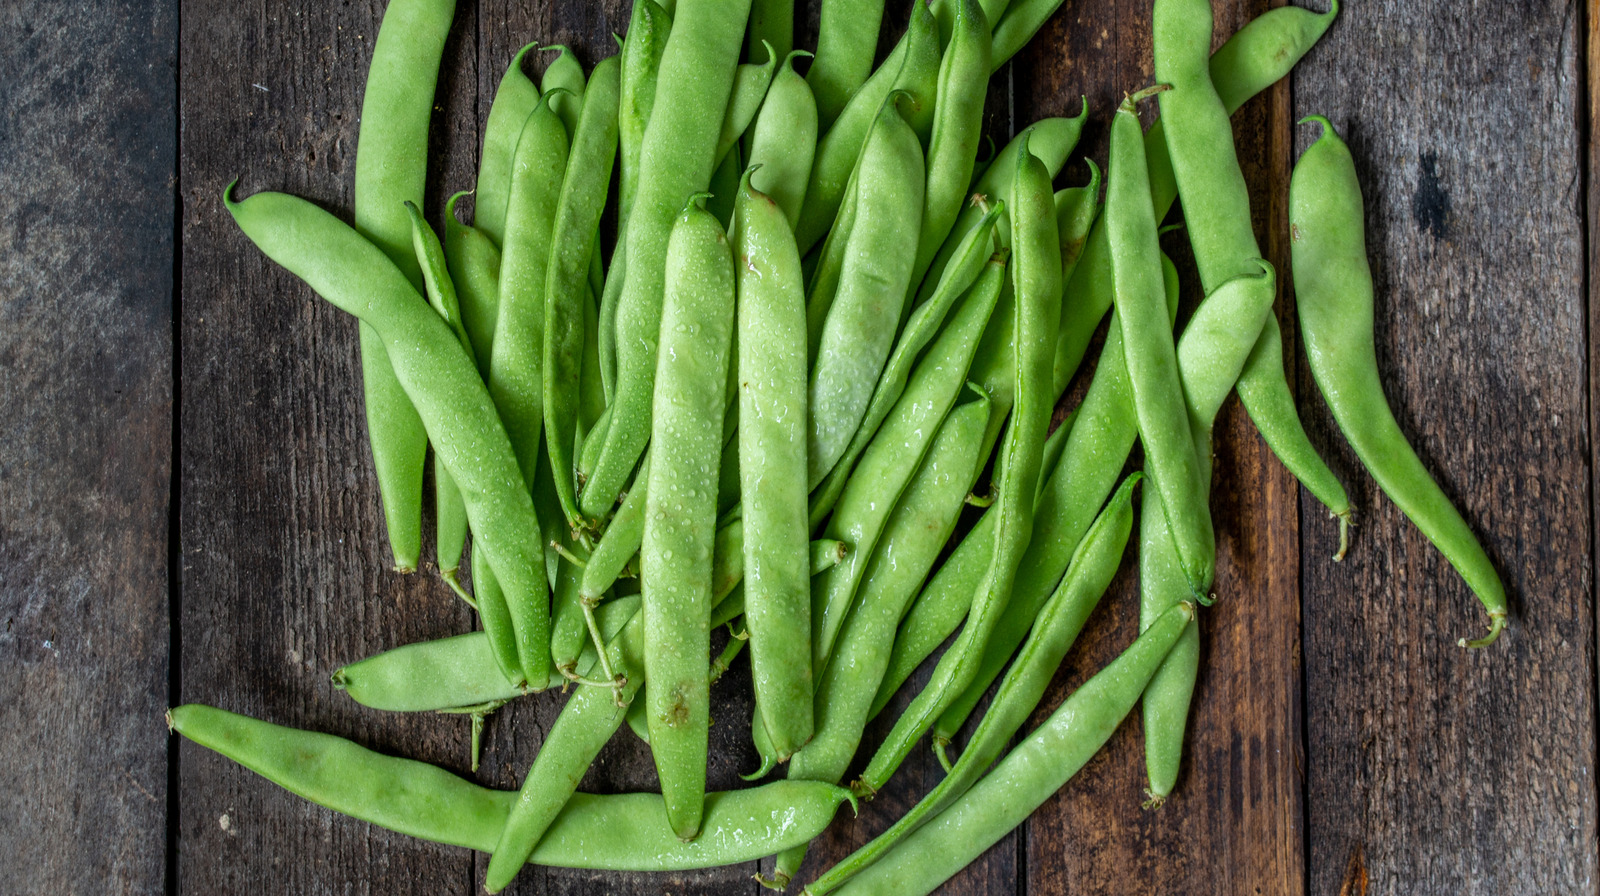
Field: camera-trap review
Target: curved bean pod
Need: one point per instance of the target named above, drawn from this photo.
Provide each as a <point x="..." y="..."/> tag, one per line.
<point x="750" y="84"/>
<point x="676" y="159"/>
<point x="622" y="832"/>
<point x="1030" y="774"/>
<point x="1334" y="290"/>
<point x="440" y="379"/>
<point x="565" y="74"/>
<point x="513" y="102"/>
<point x="913" y="68"/>
<point x="772" y="24"/>
<point x="680" y="507"/>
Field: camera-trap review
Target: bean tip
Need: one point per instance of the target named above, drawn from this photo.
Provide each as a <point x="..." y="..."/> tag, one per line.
<point x="1153" y="801"/>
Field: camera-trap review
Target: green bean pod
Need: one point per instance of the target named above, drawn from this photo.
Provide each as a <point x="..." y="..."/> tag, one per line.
<point x="680" y="507"/>
<point x="441" y="381"/>
<point x="586" y="723"/>
<point x="1036" y="278"/>
<point x="1333" y="286"/>
<point x="847" y="41"/>
<point x="913" y="68"/>
<point x="513" y="102"/>
<point x="621" y="540"/>
<point x="1263" y="389"/>
<point x="442" y="674"/>
<point x="1022" y="20"/>
<point x="450" y="515"/>
<point x="1093" y="567"/>
<point x="1152" y="357"/>
<point x="574" y="238"/>
<point x="772" y="25"/>
<point x="957" y="128"/>
<point x="862" y="319"/>
<point x="1092" y="457"/>
<point x="1051" y="140"/>
<point x="1260" y="54"/>
<point x="892" y="457"/>
<point x="1021" y="782"/>
<point x="772" y="464"/>
<point x="392" y="168"/>
<point x="676" y="160"/>
<point x="474" y="264"/>
<point x="621" y="832"/>
<point x="925" y="321"/>
<point x="565" y="74"/>
<point x="783" y="140"/>
<point x="494" y="613"/>
<point x="1214" y="349"/>
<point x="641" y="64"/>
<point x="916" y="531"/>
<point x="750" y="84"/>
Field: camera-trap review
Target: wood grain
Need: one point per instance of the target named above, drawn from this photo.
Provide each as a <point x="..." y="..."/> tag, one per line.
<point x="1453" y="771"/>
<point x="87" y="151"/>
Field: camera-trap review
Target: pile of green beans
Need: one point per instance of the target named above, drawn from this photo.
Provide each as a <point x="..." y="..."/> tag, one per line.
<point x="764" y="392"/>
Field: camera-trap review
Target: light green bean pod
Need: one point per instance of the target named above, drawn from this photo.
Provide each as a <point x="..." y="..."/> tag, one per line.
<point x="847" y="41"/>
<point x="564" y="73"/>
<point x="513" y="102"/>
<point x="750" y="83"/>
<point x="474" y="263"/>
<point x="680" y="507"/>
<point x="784" y="140"/>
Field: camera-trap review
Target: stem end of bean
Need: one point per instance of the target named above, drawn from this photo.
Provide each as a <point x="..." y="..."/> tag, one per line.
<point x="778" y="881"/>
<point x="1344" y="534"/>
<point x="1497" y="624"/>
<point x="1153" y="801"/>
<point x="939" y="748"/>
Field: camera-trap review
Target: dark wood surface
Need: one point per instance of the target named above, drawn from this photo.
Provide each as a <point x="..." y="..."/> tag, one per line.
<point x="184" y="441"/>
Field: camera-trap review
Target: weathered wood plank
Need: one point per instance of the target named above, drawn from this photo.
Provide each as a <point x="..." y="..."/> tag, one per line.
<point x="286" y="571"/>
<point x="1434" y="769"/>
<point x="87" y="151"/>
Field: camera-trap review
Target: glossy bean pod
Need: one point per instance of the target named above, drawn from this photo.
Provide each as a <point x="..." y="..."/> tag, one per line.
<point x="514" y="101"/>
<point x="772" y="463"/>
<point x="750" y="84"/>
<point x="1036" y="279"/>
<point x="783" y="140"/>
<point x="441" y="381"/>
<point x="847" y="41"/>
<point x="680" y="507"/>
<point x="474" y="263"/>
<point x="676" y="160"/>
<point x="620" y="832"/>
<point x="1028" y="775"/>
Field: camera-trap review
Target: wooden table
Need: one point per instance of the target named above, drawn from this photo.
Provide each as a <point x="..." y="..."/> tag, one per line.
<point x="187" y="510"/>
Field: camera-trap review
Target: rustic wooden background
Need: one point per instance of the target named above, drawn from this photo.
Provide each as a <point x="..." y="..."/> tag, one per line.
<point x="187" y="511"/>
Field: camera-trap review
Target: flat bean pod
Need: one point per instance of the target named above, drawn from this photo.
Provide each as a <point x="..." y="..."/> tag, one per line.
<point x="916" y="531"/>
<point x="772" y="464"/>
<point x="1062" y="618"/>
<point x="1260" y="54"/>
<point x="564" y="74"/>
<point x="441" y="381"/>
<point x="890" y="460"/>
<point x="1334" y="289"/>
<point x="574" y="236"/>
<point x="926" y="319"/>
<point x="750" y="83"/>
<point x="680" y="507"/>
<point x="391" y="169"/>
<point x="513" y="102"/>
<point x="913" y="68"/>
<point x="863" y="318"/>
<point x="847" y="40"/>
<point x="1036" y="276"/>
<point x="1030" y="774"/>
<point x="772" y="24"/>
<point x="1151" y="354"/>
<point x="474" y="263"/>
<point x="783" y="140"/>
<point x="621" y="832"/>
<point x="676" y="160"/>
